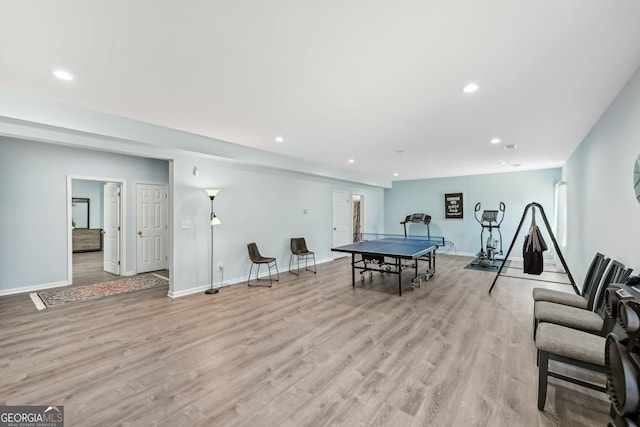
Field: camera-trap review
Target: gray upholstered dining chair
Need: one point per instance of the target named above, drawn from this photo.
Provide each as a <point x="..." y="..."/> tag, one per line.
<point x="569" y="346"/>
<point x="578" y="318"/>
<point x="578" y="348"/>
<point x="587" y="299"/>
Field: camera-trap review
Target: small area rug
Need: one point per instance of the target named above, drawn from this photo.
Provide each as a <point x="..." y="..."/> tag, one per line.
<point x="72" y="294"/>
<point x="477" y="265"/>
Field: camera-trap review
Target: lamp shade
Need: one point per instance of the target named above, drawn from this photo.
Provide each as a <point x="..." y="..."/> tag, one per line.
<point x="212" y="192"/>
<point x="215" y="220"/>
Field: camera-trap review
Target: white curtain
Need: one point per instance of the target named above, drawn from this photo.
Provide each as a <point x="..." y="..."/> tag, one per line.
<point x="561" y="220"/>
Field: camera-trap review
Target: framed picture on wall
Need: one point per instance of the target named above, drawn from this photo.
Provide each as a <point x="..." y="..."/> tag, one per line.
<point x="453" y="206"/>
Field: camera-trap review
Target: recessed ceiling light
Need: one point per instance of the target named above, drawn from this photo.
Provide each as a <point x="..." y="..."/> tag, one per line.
<point x="279" y="139"/>
<point x="470" y="88"/>
<point x="395" y="174"/>
<point x="62" y="74"/>
<point x="496" y="141"/>
<point x="510" y="147"/>
<point x="351" y="161"/>
<point x="502" y="163"/>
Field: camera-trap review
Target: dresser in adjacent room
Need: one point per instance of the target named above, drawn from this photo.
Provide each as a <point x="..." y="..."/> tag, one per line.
<point x="87" y="239"/>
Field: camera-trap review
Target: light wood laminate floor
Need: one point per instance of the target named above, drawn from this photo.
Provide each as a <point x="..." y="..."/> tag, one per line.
<point x="88" y="268"/>
<point x="311" y="351"/>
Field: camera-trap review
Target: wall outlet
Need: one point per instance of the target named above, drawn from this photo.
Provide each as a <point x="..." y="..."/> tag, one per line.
<point x="220" y="266"/>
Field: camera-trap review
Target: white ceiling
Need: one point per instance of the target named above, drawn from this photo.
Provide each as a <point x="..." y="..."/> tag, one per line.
<point x="339" y="79"/>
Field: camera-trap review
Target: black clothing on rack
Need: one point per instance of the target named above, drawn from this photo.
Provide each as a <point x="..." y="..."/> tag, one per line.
<point x="534" y="246"/>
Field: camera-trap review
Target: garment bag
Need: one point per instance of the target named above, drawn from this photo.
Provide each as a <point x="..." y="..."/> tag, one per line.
<point x="534" y="246"/>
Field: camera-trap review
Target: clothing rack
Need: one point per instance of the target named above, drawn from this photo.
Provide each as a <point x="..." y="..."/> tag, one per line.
<point x="553" y="239"/>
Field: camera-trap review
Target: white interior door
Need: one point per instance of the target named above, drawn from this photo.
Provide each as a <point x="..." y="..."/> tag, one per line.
<point x="111" y="237"/>
<point x="340" y="220"/>
<point x="152" y="227"/>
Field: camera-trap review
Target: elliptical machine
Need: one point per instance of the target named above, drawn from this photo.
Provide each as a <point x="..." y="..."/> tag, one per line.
<point x="489" y="220"/>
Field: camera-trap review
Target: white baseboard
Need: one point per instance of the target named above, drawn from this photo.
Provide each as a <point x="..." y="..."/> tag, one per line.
<point x="511" y="257"/>
<point x="40" y="287"/>
<point x="33" y="288"/>
<point x="37" y="301"/>
<point x="160" y="276"/>
<point x="456" y="253"/>
<point x="191" y="291"/>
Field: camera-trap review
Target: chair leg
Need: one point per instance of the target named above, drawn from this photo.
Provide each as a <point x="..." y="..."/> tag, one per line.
<point x="249" y="277"/>
<point x="257" y="276"/>
<point x="543" y="371"/>
<point x="290" y="261"/>
<point x="275" y="263"/>
<point x="306" y="263"/>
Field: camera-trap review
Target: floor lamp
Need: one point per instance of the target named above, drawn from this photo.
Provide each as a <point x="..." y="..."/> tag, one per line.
<point x="212" y="192"/>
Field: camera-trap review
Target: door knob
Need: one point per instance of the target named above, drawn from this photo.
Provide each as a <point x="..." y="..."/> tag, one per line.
<point x="140" y="233"/>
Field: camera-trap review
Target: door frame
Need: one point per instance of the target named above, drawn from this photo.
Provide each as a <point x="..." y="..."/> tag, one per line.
<point x="166" y="215"/>
<point x="123" y="231"/>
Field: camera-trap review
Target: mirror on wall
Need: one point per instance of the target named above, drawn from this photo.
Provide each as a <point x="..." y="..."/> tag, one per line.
<point x="80" y="212"/>
<point x="636" y="178"/>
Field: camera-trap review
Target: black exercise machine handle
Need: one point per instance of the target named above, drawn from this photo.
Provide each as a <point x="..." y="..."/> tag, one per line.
<point x="475" y="212"/>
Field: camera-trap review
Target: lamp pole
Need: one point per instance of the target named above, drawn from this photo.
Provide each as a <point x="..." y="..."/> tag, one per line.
<point x="214" y="221"/>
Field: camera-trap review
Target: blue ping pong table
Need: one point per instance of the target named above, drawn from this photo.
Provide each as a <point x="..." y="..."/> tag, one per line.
<point x="376" y="250"/>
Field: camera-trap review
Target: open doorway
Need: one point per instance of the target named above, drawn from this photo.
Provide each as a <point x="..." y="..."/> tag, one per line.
<point x="358" y="216"/>
<point x="95" y="229"/>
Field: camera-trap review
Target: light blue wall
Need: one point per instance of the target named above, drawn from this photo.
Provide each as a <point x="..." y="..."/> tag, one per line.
<point x="516" y="190"/>
<point x="602" y="213"/>
<point x="94" y="191"/>
<point x="33" y="214"/>
<point x="30" y="118"/>
<point x="255" y="204"/>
